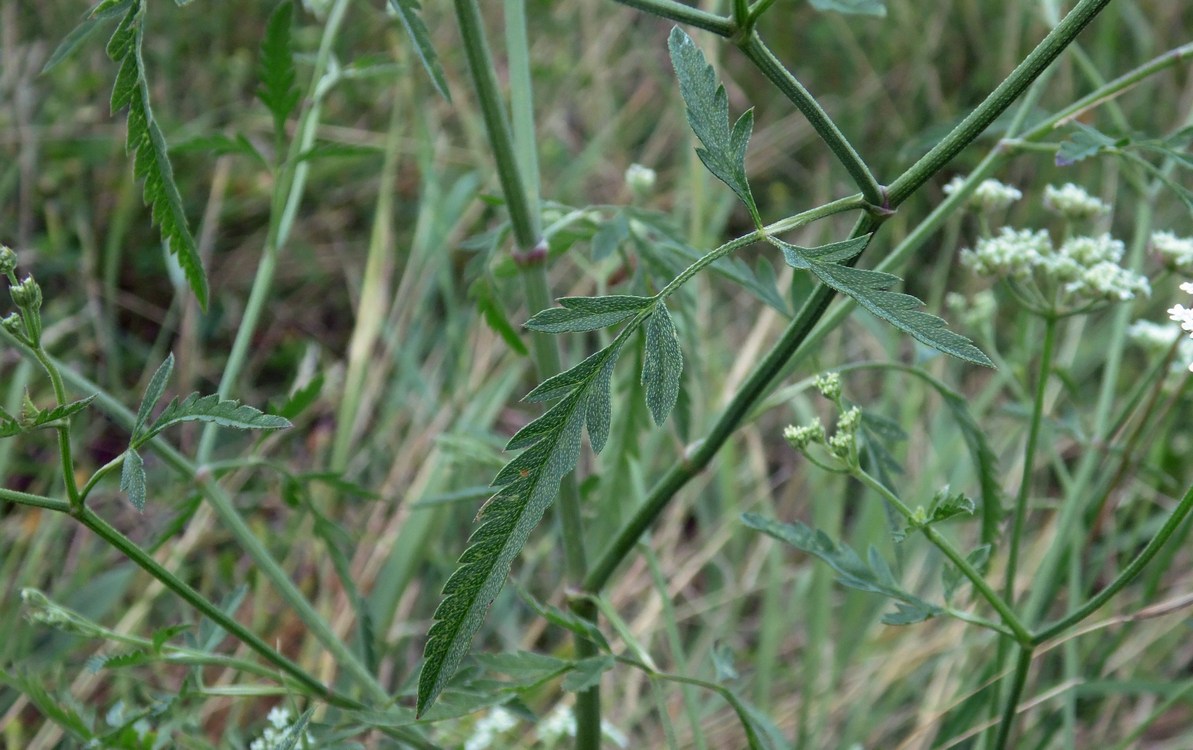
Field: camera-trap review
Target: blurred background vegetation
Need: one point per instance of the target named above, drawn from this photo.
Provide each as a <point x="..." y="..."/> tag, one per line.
<point x="387" y="486"/>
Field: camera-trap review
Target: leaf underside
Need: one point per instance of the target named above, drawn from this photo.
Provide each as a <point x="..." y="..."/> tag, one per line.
<point x="146" y="143"/>
<point x="870" y="290"/>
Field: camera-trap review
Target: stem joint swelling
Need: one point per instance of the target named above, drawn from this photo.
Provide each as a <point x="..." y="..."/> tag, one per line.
<point x="535" y="256"/>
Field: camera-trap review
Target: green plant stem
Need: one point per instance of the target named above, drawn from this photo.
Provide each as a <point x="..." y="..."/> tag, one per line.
<point x="99" y="474"/>
<point x="998" y="100"/>
<point x="741" y="15"/>
<point x="290" y="183"/>
<point x="1128" y="574"/>
<point x="754" y="388"/>
<point x="684" y="14"/>
<point x="1029" y="454"/>
<point x="518" y="172"/>
<point x="236" y="526"/>
<point x="65" y="454"/>
<point x="35" y="501"/>
<point x="1009" y="618"/>
<point x="133" y="552"/>
<point x="756" y="50"/>
<point x="484" y="79"/>
<point x="1018" y="681"/>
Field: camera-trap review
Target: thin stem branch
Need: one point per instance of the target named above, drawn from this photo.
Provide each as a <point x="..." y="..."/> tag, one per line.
<point x="1010" y="707"/>
<point x="1003" y="95"/>
<point x="289" y="186"/>
<point x="1128" y="574"/>
<point x="143" y="560"/>
<point x="756" y="50"/>
<point x="1029" y="453"/>
<point x="35" y="501"/>
<point x="684" y="14"/>
<point x="1018" y="630"/>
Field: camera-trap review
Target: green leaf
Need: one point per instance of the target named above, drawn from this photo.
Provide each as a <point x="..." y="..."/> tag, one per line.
<point x="587" y="313"/>
<point x="874" y="575"/>
<point x="151" y="161"/>
<point x="1085" y="142"/>
<point x="565" y="619"/>
<point x="223" y="412"/>
<point x="609" y="236"/>
<point x="278" y="90"/>
<point x="10" y="426"/>
<point x="853" y="7"/>
<point x="302" y="398"/>
<point x="153" y="394"/>
<point x="81" y="33"/>
<point x="869" y="289"/>
<point x="481" y="291"/>
<point x="527" y="668"/>
<point x="132" y="478"/>
<point x="722" y="661"/>
<point x="662" y="364"/>
<point x="55" y="708"/>
<point x="528" y="485"/>
<point x="408" y="12"/>
<point x="296" y="732"/>
<point x="946" y="505"/>
<point x="587" y="673"/>
<point x="724" y="151"/>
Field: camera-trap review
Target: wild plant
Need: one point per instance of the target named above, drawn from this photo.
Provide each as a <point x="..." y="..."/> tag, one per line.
<point x="1055" y="285"/>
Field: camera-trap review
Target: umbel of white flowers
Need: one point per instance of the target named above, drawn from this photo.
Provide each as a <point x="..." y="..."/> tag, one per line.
<point x="1183" y="315"/>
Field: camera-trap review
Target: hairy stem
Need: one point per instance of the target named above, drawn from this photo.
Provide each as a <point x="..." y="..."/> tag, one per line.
<point x="684" y="14"/>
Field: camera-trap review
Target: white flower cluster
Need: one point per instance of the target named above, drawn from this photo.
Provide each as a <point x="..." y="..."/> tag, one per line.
<point x="1175" y="252"/>
<point x="493" y="724"/>
<point x="561" y="722"/>
<point x="272" y="737"/>
<point x="640" y="179"/>
<point x="1073" y="203"/>
<point x="988" y="196"/>
<point x="1182" y="314"/>
<point x="1081" y="271"/>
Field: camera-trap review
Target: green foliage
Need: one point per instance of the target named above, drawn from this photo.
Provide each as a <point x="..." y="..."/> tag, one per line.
<point x="870" y="290"/>
<point x="662" y="365"/>
<point x="278" y="90"/>
<point x="587" y="313"/>
<point x="874" y="576"/>
<point x="408" y="11"/>
<point x="148" y="146"/>
<point x="35" y="418"/>
<point x="724" y="151"/>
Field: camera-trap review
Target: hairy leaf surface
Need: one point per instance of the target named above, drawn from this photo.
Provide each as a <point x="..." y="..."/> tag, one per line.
<point x="724" y="151"/>
<point x="870" y="290"/>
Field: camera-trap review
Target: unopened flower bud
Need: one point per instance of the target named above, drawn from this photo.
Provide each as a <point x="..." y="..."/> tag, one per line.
<point x="829" y="385"/>
<point x="8" y="260"/>
<point x="27" y="294"/>
<point x="12" y="324"/>
<point x="640" y="179"/>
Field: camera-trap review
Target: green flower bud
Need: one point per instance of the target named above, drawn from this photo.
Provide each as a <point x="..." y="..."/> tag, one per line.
<point x="829" y="385"/>
<point x="12" y="324"/>
<point x="8" y="260"/>
<point x="27" y="294"/>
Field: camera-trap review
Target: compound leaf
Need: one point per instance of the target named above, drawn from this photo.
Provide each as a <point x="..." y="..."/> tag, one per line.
<point x="724" y="151"/>
<point x="870" y="290"/>
<point x="146" y="143"/>
<point x="153" y="393"/>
